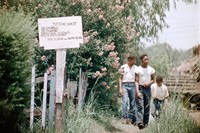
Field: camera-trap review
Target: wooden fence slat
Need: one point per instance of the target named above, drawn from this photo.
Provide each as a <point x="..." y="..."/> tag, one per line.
<point x="52" y="102"/>
<point x="82" y="88"/>
<point x="44" y="100"/>
<point x="71" y="88"/>
<point x="32" y="98"/>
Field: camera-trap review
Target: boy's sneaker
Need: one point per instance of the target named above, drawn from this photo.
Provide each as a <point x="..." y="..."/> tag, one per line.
<point x="140" y="126"/>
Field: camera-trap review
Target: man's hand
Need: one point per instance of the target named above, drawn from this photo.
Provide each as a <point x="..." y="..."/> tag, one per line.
<point x="120" y="92"/>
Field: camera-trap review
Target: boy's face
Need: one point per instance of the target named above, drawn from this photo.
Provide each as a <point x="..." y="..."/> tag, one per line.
<point x="145" y="60"/>
<point x="131" y="62"/>
<point x="159" y="83"/>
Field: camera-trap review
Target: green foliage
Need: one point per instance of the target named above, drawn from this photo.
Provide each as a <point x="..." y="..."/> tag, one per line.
<point x="163" y="57"/>
<point x="16" y="50"/>
<point x="88" y="120"/>
<point x="174" y="119"/>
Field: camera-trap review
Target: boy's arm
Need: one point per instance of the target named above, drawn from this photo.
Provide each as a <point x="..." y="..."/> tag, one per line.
<point x="120" y="85"/>
<point x="151" y="81"/>
<point x="138" y="94"/>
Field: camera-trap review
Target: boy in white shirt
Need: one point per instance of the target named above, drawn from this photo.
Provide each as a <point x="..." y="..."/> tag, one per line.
<point x="144" y="77"/>
<point x="127" y="89"/>
<point x="159" y="93"/>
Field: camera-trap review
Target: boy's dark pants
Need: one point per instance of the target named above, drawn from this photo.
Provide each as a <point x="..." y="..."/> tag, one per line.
<point x="143" y="105"/>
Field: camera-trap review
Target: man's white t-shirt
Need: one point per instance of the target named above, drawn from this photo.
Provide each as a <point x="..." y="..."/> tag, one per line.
<point x="128" y="73"/>
<point x="144" y="74"/>
<point x="159" y="92"/>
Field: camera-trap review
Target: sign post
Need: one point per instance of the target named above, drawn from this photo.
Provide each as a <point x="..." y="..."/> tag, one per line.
<point x="60" y="34"/>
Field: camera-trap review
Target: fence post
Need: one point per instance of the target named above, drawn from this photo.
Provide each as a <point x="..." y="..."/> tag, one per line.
<point x="52" y="102"/>
<point x="82" y="88"/>
<point x="44" y="100"/>
<point x="32" y="98"/>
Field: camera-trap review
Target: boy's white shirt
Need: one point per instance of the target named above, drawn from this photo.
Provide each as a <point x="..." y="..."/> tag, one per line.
<point x="144" y="74"/>
<point x="128" y="73"/>
<point x="160" y="93"/>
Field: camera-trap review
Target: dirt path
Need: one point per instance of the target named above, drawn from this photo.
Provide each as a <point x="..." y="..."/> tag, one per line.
<point x="124" y="128"/>
<point x="118" y="127"/>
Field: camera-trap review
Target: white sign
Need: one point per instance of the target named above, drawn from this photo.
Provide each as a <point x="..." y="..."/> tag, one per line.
<point x="61" y="32"/>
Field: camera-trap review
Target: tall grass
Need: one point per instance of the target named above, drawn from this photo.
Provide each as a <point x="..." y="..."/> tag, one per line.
<point x="88" y="120"/>
<point x="174" y="119"/>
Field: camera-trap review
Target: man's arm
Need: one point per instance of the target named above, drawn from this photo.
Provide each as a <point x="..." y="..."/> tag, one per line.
<point x="138" y="94"/>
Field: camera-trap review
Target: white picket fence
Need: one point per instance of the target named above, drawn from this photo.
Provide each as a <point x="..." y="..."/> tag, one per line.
<point x="71" y="92"/>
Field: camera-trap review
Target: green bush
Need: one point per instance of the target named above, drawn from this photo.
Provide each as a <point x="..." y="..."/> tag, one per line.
<point x="17" y="44"/>
<point x="175" y="119"/>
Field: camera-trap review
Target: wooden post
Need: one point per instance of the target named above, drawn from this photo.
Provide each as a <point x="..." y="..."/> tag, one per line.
<point x="44" y="100"/>
<point x="52" y="102"/>
<point x="60" y="74"/>
<point x="32" y="98"/>
<point x="82" y="89"/>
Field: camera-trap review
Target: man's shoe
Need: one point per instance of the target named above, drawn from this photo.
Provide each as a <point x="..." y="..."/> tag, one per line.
<point x="140" y="126"/>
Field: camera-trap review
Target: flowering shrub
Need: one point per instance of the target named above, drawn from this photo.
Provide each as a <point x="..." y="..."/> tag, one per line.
<point x="110" y="29"/>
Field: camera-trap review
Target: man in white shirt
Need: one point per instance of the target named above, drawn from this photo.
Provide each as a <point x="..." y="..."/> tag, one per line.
<point x="159" y="94"/>
<point x="127" y="89"/>
<point x="144" y="77"/>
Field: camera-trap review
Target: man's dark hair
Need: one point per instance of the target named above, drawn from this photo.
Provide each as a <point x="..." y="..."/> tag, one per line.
<point x="142" y="56"/>
<point x="131" y="57"/>
<point x="159" y="78"/>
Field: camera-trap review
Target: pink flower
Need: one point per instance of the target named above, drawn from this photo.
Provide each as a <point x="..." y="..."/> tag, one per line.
<point x="129" y="19"/>
<point x="118" y="1"/>
<point x="89" y="11"/>
<point x="97" y="73"/>
<point x="82" y="1"/>
<point x="121" y="7"/>
<point x="100" y="53"/>
<point x="39" y="5"/>
<point x="86" y="39"/>
<point x="104" y="69"/>
<point x="113" y="54"/>
<point x="125" y="1"/>
<point x="43" y="58"/>
<point x="100" y="17"/>
<point x="108" y="25"/>
<point x="110" y="47"/>
<point x="117" y="59"/>
<point x="107" y="87"/>
<point x="115" y="65"/>
<point x="104" y="83"/>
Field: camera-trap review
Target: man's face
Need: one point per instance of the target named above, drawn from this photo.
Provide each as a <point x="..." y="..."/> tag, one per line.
<point x="145" y="60"/>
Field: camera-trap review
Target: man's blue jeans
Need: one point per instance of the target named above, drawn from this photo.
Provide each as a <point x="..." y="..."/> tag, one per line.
<point x="129" y="99"/>
<point x="143" y="105"/>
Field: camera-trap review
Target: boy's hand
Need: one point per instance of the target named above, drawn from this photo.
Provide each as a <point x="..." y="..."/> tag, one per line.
<point x="121" y="92"/>
<point x="139" y="95"/>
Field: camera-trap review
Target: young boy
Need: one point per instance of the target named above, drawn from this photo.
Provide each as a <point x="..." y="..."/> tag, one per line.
<point x="127" y="89"/>
<point x="159" y="93"/>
